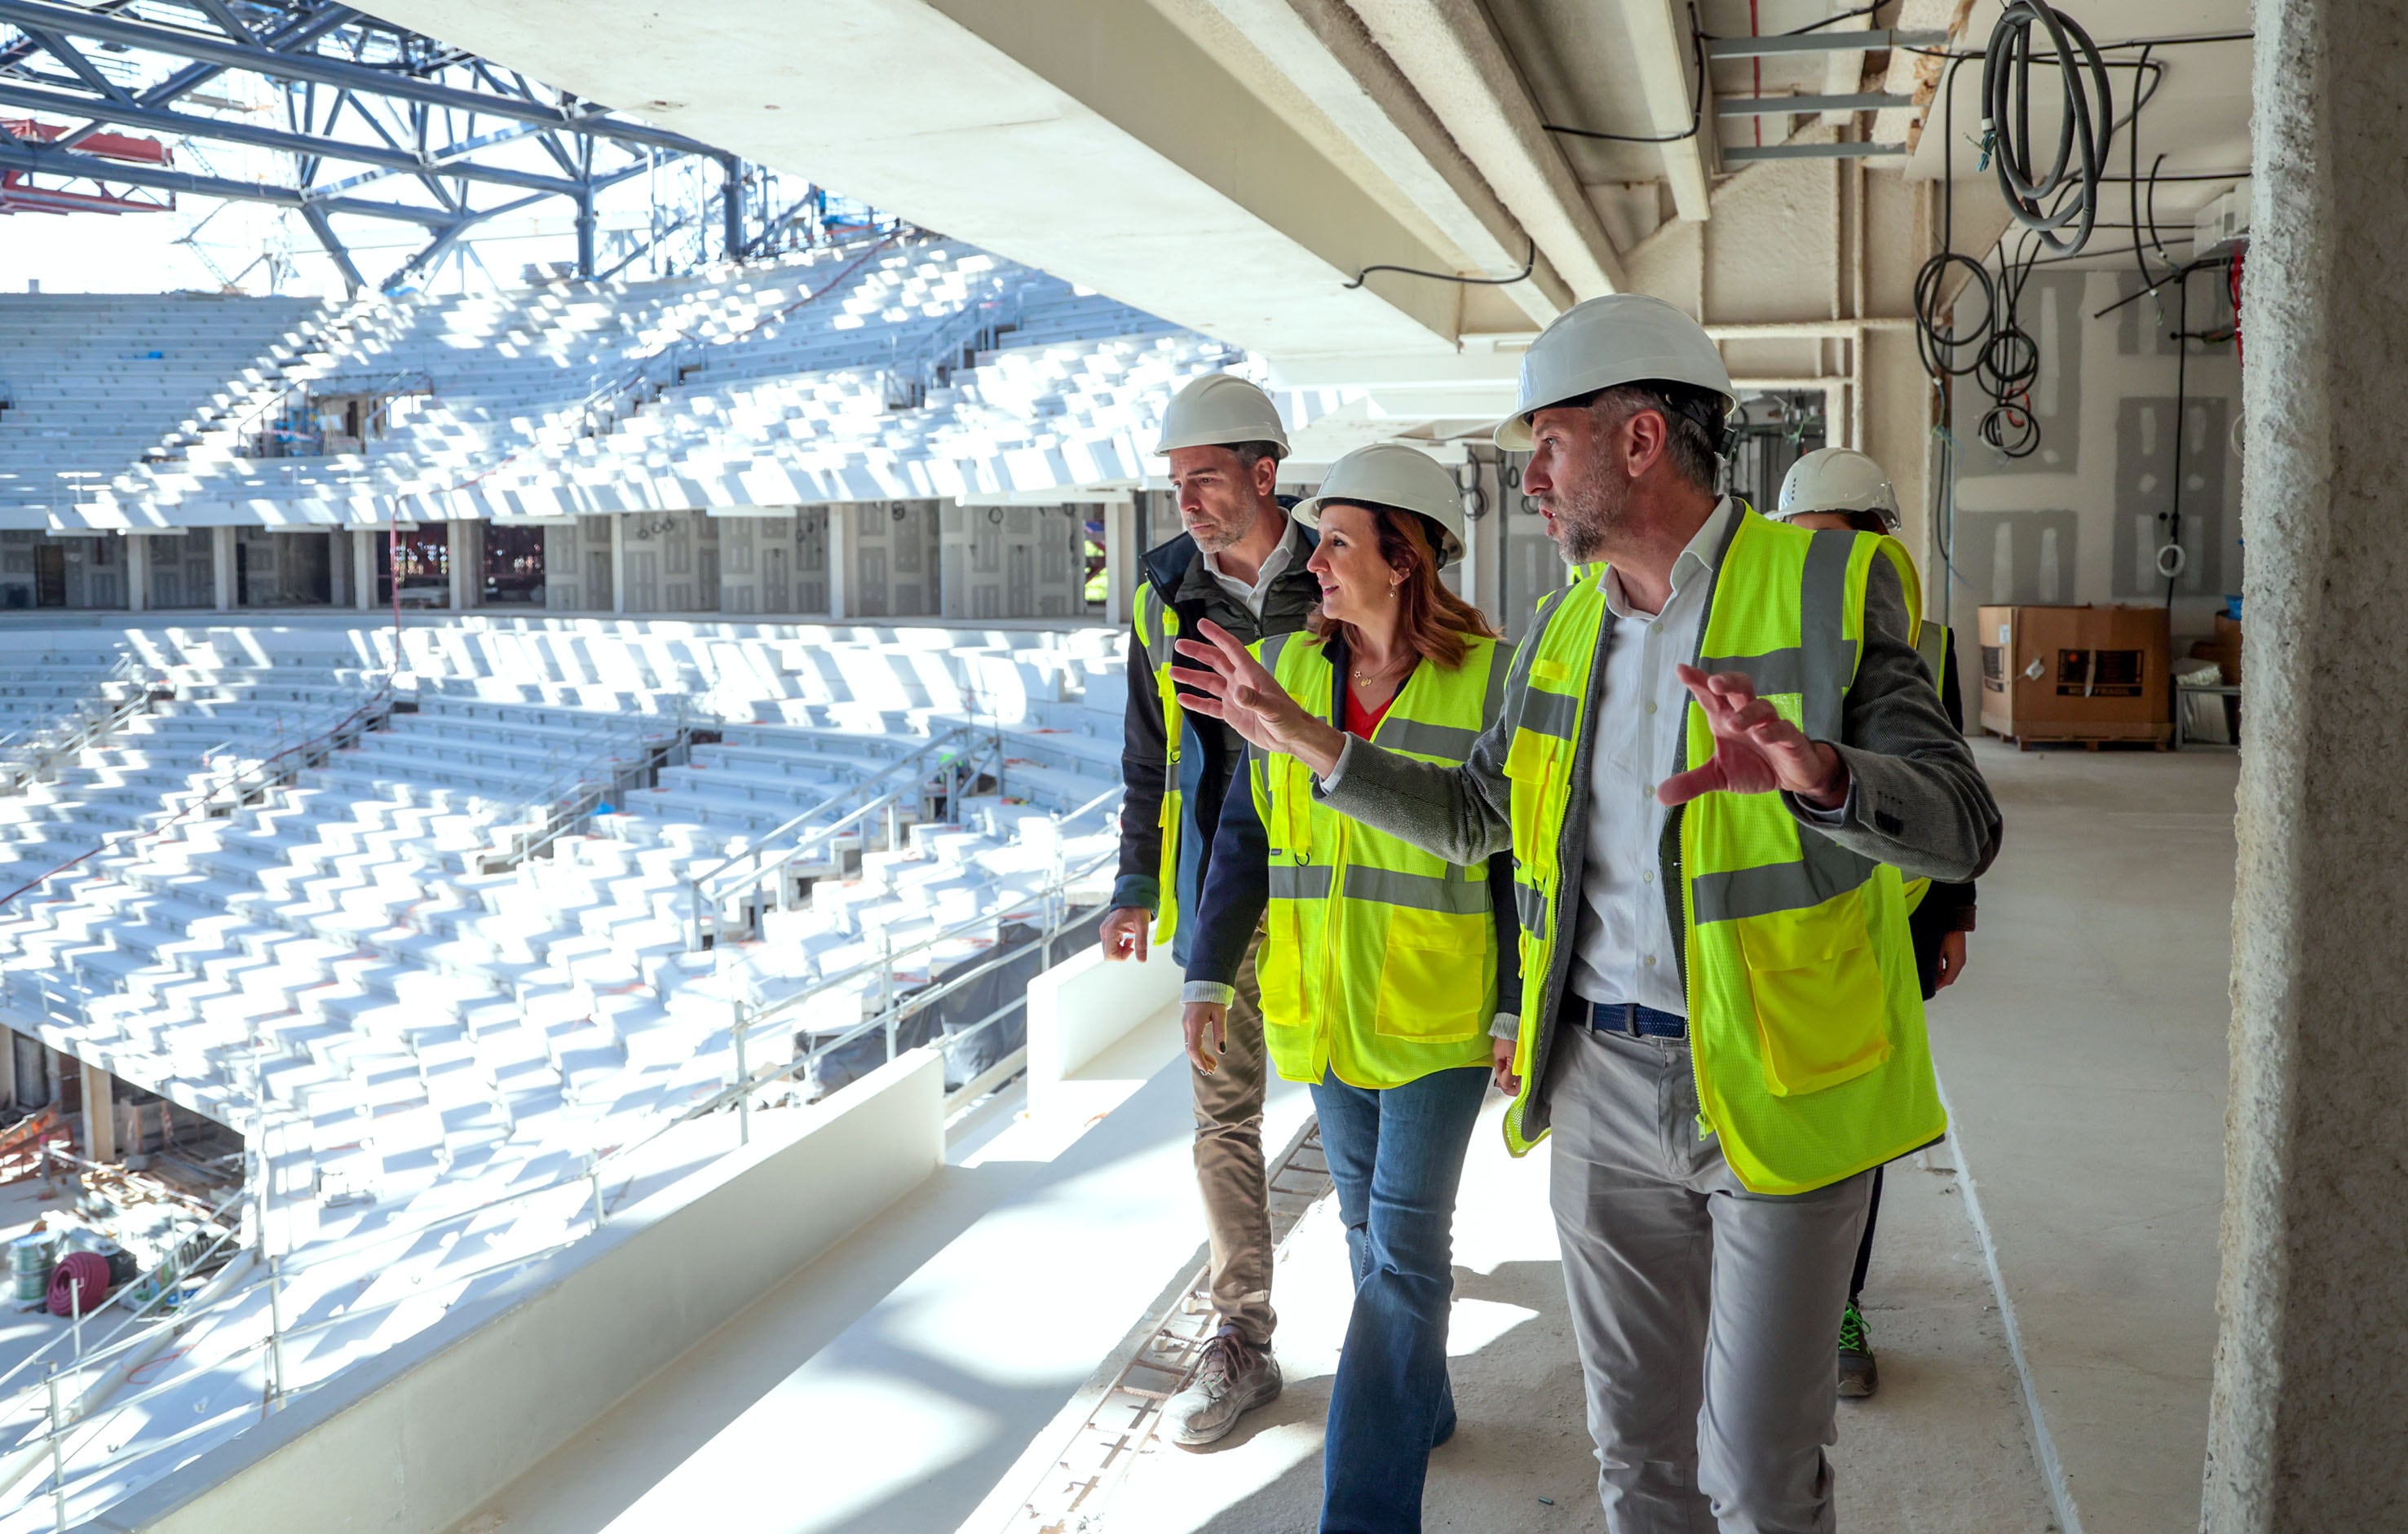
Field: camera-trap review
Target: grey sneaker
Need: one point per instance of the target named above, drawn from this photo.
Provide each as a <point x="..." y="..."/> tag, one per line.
<point x="1859" y="1376"/>
<point x="1233" y="1379"/>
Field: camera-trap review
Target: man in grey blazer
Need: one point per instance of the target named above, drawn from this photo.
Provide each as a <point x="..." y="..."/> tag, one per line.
<point x="1706" y="1314"/>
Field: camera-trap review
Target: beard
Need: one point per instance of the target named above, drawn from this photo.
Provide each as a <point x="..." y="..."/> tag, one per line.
<point x="1217" y="528"/>
<point x="1590" y="515"/>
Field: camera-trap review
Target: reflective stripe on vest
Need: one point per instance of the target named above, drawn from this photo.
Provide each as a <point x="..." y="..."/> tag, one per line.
<point x="1805" y="1016"/>
<point x="1379" y="960"/>
<point x="1157" y="627"/>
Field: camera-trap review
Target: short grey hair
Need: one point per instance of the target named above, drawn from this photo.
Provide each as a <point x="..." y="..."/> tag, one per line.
<point x="1251" y="453"/>
<point x="1696" y="456"/>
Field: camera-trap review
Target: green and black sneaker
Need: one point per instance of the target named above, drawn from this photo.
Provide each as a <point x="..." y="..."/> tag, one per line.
<point x="1859" y="1374"/>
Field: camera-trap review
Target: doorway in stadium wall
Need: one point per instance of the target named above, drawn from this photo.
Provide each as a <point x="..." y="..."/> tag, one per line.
<point x="422" y="563"/>
<point x="513" y="572"/>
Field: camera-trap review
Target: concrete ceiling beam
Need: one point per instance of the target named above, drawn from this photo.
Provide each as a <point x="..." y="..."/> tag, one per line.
<point x="1342" y="76"/>
<point x="1090" y="138"/>
<point x="1668" y="73"/>
<point x="1918" y="74"/>
<point x="1450" y="52"/>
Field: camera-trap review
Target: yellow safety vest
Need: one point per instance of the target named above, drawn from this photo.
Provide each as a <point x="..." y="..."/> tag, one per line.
<point x="1379" y="960"/>
<point x="1806" y="1026"/>
<point x="1157" y="627"/>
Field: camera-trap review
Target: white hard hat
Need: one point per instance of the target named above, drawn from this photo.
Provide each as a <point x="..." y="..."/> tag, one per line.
<point x="1838" y="479"/>
<point x="1221" y="410"/>
<point x="1393" y="474"/>
<point x="1622" y="337"/>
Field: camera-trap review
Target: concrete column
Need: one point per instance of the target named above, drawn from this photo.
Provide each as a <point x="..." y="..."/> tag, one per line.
<point x="99" y="1115"/>
<point x="844" y="547"/>
<point x="8" y="1071"/>
<point x="137" y="574"/>
<point x="2310" y="1408"/>
<point x="1120" y="562"/>
<point x="339" y="571"/>
<point x="364" y="571"/>
<point x="221" y="566"/>
<point x="464" y="555"/>
<point x="618" y="564"/>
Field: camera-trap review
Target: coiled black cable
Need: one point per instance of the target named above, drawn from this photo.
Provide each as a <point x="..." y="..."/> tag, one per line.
<point x="1941" y="347"/>
<point x="2086" y="126"/>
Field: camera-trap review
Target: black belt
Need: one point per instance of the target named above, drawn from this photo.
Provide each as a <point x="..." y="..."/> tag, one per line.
<point x="1633" y="1020"/>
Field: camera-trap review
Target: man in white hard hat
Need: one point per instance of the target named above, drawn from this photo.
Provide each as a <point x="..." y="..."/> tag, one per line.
<point x="1841" y="490"/>
<point x="1240" y="564"/>
<point x="1718" y="750"/>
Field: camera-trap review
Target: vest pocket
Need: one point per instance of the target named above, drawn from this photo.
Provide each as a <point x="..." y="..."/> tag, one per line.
<point x="1434" y="984"/>
<point x="1821" y="1009"/>
<point x="1279" y="965"/>
<point x="1529" y="762"/>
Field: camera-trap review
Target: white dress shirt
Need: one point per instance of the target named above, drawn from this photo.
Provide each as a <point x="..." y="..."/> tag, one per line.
<point x="1625" y="948"/>
<point x="1274" y="564"/>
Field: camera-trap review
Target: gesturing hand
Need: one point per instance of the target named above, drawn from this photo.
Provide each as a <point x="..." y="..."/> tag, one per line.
<point x="1755" y="749"/>
<point x="1243" y="694"/>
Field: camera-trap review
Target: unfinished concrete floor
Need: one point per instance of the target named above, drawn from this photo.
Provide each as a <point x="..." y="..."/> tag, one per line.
<point x="2084" y="1054"/>
<point x="2084" y="1057"/>
<point x="1941" y="1450"/>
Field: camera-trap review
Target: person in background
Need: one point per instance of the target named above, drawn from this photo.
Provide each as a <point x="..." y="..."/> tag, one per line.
<point x="1385" y="969"/>
<point x="1717" y="757"/>
<point x="1841" y="490"/>
<point x="1239" y="563"/>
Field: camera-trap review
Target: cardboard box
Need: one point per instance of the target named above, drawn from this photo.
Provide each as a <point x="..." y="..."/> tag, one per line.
<point x="2228" y="648"/>
<point x="2089" y="673"/>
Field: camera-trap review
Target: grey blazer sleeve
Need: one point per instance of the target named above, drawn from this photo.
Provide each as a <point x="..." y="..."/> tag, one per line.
<point x="1459" y="813"/>
<point x="1915" y="798"/>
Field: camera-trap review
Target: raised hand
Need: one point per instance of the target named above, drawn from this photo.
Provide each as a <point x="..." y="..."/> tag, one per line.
<point x="1755" y="749"/>
<point x="1241" y="693"/>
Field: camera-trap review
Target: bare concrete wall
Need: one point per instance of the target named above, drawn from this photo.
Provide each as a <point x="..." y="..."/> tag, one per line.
<point x="2310" y="1414"/>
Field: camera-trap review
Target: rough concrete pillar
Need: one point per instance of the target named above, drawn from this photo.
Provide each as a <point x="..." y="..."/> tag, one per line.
<point x="221" y="566"/>
<point x="99" y="1115"/>
<point x="1120" y="562"/>
<point x="618" y="564"/>
<point x="2310" y="1409"/>
<point x="845" y="550"/>
<point x="338" y="572"/>
<point x="364" y="571"/>
<point x="465" y="558"/>
<point x="137" y="574"/>
<point x="8" y="1071"/>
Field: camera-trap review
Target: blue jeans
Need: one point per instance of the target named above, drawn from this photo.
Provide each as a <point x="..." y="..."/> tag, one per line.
<point x="1396" y="1158"/>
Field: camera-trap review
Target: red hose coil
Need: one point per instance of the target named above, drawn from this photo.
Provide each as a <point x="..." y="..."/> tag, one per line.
<point x="89" y="1269"/>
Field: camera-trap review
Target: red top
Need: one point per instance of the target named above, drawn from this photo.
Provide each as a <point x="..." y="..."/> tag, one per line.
<point x="1361" y="722"/>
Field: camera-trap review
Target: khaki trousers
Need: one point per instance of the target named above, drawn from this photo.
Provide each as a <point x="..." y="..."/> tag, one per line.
<point x="1708" y="1317"/>
<point x="1229" y="1165"/>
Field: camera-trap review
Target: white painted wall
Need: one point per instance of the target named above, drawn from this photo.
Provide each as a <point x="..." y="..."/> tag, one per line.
<point x="1084" y="1005"/>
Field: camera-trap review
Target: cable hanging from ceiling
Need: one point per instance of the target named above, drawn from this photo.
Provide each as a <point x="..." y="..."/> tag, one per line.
<point x="2085" y="122"/>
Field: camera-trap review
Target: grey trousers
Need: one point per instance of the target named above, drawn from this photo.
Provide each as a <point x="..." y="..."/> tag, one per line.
<point x="1229" y="1165"/>
<point x="1708" y="1317"/>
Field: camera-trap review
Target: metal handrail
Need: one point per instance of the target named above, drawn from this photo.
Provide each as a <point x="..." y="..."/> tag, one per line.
<point x="981" y="320"/>
<point x="207" y="800"/>
<point x="109" y="1347"/>
<point x="82" y="729"/>
<point x="760" y="872"/>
